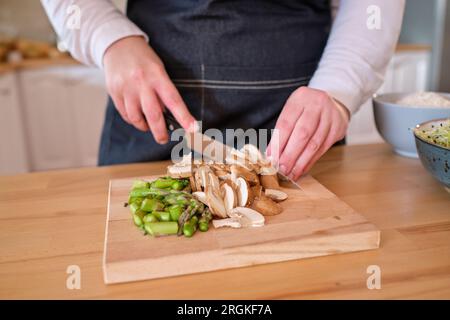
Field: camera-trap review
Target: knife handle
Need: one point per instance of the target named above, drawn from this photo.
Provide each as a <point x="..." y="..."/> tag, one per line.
<point x="171" y="123"/>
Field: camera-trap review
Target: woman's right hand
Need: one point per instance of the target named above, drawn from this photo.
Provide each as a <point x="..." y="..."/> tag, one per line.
<point x="140" y="88"/>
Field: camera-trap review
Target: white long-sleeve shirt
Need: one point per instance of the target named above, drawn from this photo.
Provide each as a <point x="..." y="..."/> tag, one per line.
<point x="351" y="68"/>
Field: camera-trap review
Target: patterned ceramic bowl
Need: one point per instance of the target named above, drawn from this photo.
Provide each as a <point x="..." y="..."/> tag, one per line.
<point x="435" y="158"/>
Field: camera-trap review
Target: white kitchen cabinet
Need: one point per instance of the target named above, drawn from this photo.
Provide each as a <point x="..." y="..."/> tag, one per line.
<point x="408" y="71"/>
<point x="13" y="151"/>
<point x="64" y="109"/>
<point x="87" y="96"/>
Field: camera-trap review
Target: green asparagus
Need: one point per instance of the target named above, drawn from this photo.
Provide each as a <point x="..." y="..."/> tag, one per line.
<point x="161" y="228"/>
<point x="166" y="206"/>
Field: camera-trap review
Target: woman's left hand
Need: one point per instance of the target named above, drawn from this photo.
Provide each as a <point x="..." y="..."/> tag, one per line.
<point x="309" y="124"/>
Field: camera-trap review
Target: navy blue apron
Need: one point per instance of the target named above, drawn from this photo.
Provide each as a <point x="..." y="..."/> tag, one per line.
<point x="235" y="63"/>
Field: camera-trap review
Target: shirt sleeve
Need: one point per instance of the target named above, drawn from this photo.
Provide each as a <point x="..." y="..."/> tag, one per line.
<point x="88" y="27"/>
<point x="356" y="56"/>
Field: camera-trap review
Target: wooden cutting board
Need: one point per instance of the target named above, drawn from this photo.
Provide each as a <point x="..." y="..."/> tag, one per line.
<point x="314" y="223"/>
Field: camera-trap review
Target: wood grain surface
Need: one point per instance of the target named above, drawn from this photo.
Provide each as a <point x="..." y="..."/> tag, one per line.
<point x="51" y="220"/>
<point x="314" y="222"/>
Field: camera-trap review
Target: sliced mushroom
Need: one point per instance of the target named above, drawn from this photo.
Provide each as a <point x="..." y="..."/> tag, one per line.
<point x="222" y="174"/>
<point x="215" y="203"/>
<point x="233" y="177"/>
<point x="193" y="184"/>
<point x="228" y="222"/>
<point x="208" y="162"/>
<point x="269" y="181"/>
<point x="247" y="217"/>
<point x="248" y="166"/>
<point x="233" y="186"/>
<point x="238" y="159"/>
<point x="200" y="196"/>
<point x="264" y="162"/>
<point x="214" y="181"/>
<point x="179" y="171"/>
<point x="266" y="206"/>
<point x="257" y="168"/>
<point x="267" y="170"/>
<point x="187" y="159"/>
<point x="250" y="176"/>
<point x="231" y="183"/>
<point x="236" y="154"/>
<point x="255" y="191"/>
<point x="229" y="199"/>
<point x="198" y="180"/>
<point x="218" y="166"/>
<point x="243" y="191"/>
<point x="252" y="153"/>
<point x="275" y="195"/>
<point x="203" y="172"/>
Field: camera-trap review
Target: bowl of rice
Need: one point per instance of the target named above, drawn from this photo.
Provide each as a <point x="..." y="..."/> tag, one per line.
<point x="397" y="114"/>
<point x="433" y="146"/>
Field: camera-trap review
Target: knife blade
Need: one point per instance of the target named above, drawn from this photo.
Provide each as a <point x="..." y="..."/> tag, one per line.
<point x="287" y="182"/>
<point x="208" y="147"/>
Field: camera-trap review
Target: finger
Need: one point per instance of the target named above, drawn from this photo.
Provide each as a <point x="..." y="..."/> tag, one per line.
<point x="152" y="109"/>
<point x="285" y="124"/>
<point x="336" y="134"/>
<point x="325" y="147"/>
<point x="303" y="131"/>
<point x="120" y="107"/>
<point x="172" y="100"/>
<point x="134" y="112"/>
<point x="314" y="149"/>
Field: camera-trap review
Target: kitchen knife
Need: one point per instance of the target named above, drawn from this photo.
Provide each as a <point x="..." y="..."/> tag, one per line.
<point x="199" y="142"/>
<point x="171" y="123"/>
<point x="213" y="149"/>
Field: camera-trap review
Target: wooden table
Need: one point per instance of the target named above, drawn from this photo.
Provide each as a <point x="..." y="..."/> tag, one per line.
<point x="51" y="220"/>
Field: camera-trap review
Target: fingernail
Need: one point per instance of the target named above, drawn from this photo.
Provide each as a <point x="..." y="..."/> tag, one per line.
<point x="283" y="169"/>
<point x="162" y="141"/>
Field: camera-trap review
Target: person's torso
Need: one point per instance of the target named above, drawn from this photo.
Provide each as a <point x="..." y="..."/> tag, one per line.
<point x="235" y="63"/>
<point x="238" y="35"/>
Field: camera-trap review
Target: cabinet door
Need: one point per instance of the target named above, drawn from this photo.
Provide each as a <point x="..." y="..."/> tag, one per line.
<point x="407" y="72"/>
<point x="13" y="155"/>
<point x="87" y="96"/>
<point x="48" y="119"/>
<point x="410" y="71"/>
<point x="64" y="109"/>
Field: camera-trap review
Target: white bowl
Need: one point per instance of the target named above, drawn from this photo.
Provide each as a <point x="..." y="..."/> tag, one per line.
<point x="394" y="122"/>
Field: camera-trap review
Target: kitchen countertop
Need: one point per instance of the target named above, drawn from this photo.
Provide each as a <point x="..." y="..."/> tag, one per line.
<point x="50" y="220"/>
<point x="37" y="63"/>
